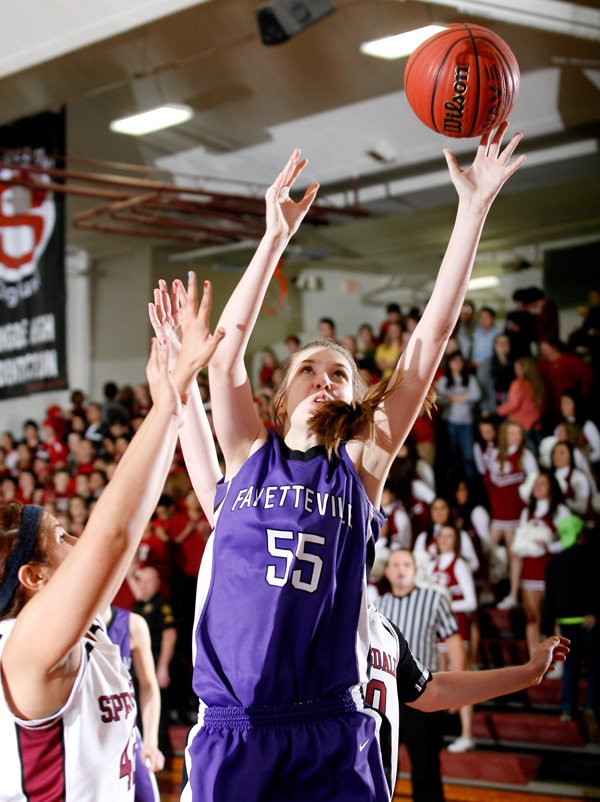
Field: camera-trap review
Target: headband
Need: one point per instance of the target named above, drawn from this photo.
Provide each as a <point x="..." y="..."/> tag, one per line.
<point x="21" y="552"/>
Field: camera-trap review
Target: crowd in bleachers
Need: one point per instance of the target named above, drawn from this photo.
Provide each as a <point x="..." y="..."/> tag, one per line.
<point x="480" y="490"/>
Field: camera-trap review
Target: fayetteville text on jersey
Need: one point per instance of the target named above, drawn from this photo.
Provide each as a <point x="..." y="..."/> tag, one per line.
<point x="299" y="496"/>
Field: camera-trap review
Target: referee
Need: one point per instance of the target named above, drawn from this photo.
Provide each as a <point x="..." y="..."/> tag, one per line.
<point x="423" y="616"/>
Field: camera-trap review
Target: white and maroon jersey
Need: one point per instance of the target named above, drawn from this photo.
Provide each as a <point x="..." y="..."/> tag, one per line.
<point x="395" y="676"/>
<point x="85" y="751"/>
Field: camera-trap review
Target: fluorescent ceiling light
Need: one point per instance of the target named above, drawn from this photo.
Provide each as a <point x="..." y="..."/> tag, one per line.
<point x="153" y="120"/>
<point x="483" y="283"/>
<point x="400" y="45"/>
<point x="557" y="16"/>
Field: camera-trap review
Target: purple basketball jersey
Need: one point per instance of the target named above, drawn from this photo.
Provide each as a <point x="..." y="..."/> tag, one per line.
<point x="118" y="632"/>
<point x="284" y="616"/>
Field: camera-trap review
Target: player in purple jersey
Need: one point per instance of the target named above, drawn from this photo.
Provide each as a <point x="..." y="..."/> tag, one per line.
<point x="130" y="633"/>
<point x="282" y="635"/>
<point x="66" y="704"/>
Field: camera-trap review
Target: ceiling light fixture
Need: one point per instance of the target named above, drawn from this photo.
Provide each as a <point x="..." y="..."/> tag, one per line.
<point x="483" y="283"/>
<point x="146" y="122"/>
<point x="558" y="16"/>
<point x="400" y="45"/>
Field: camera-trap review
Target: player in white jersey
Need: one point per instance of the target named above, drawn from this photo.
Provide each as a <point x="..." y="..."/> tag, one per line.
<point x="395" y="676"/>
<point x="66" y="703"/>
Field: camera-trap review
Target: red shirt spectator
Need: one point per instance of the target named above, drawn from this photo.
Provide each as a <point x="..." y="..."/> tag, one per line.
<point x="562" y="371"/>
<point x="191" y="541"/>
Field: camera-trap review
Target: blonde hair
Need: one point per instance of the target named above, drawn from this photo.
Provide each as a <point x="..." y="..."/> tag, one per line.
<point x="336" y="422"/>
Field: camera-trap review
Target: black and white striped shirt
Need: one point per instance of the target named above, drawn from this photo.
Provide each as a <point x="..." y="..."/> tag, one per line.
<point x="423" y="616"/>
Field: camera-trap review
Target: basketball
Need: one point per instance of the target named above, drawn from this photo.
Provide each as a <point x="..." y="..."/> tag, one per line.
<point x="463" y="81"/>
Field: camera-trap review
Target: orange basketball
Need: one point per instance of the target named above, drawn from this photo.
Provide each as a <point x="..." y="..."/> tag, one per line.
<point x="463" y="81"/>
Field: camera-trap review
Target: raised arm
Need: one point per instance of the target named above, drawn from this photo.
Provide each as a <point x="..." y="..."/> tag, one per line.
<point x="236" y="422"/>
<point x="195" y="435"/>
<point x="477" y="186"/>
<point x="43" y="652"/>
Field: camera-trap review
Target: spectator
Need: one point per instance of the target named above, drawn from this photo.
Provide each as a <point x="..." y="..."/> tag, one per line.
<point x="525" y="401"/>
<point x="520" y="326"/>
<point x="55" y="449"/>
<point x="573" y="482"/>
<point x="4" y="469"/>
<point x="60" y="491"/>
<point x="545" y="314"/>
<point x="571" y="412"/>
<point x="31" y="435"/>
<point x="9" y="488"/>
<point x="365" y="342"/>
<point x="24" y="458"/>
<point x="96" y="429"/>
<point x="389" y="351"/>
<point x="415" y="494"/>
<point x="27" y="485"/>
<point x="77" y="403"/>
<point x="112" y="410"/>
<point x="142" y="399"/>
<point x="156" y="610"/>
<point x="458" y="393"/>
<point x="484" y="335"/>
<point x="393" y="314"/>
<point x="423" y="436"/>
<point x="266" y="366"/>
<point x="495" y="374"/>
<point x="572" y="601"/>
<point x="327" y="329"/>
<point x="349" y="343"/>
<point x="470" y="515"/>
<point x="97" y="482"/>
<point x="7" y="442"/>
<point x="78" y="514"/>
<point x="464" y="329"/>
<point x="84" y="456"/>
<point x="562" y="371"/>
<point x="292" y="343"/>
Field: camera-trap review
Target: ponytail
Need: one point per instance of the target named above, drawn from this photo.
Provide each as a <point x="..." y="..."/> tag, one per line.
<point x="337" y="422"/>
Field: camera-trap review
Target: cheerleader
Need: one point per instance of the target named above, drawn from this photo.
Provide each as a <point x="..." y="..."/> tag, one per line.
<point x="508" y="466"/>
<point x="450" y="571"/>
<point x="427" y="541"/>
<point x="573" y="482"/>
<point x="536" y="540"/>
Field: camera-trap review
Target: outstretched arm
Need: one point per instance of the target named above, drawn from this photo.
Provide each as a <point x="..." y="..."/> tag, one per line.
<point x="42" y="655"/>
<point x="195" y="435"/>
<point x="43" y="652"/>
<point x="477" y="186"/>
<point x="454" y="689"/>
<point x="237" y="424"/>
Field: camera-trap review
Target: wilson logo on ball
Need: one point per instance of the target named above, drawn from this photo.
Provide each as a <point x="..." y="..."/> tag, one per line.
<point x="463" y="81"/>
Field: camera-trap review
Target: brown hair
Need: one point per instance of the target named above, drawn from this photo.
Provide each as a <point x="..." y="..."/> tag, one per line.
<point x="575" y="435"/>
<point x="531" y="374"/>
<point x="337" y="422"/>
<point x="503" y="441"/>
<point x="10" y="520"/>
<point x="456" y="531"/>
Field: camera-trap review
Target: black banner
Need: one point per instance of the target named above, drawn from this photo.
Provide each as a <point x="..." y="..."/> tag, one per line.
<point x="32" y="261"/>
